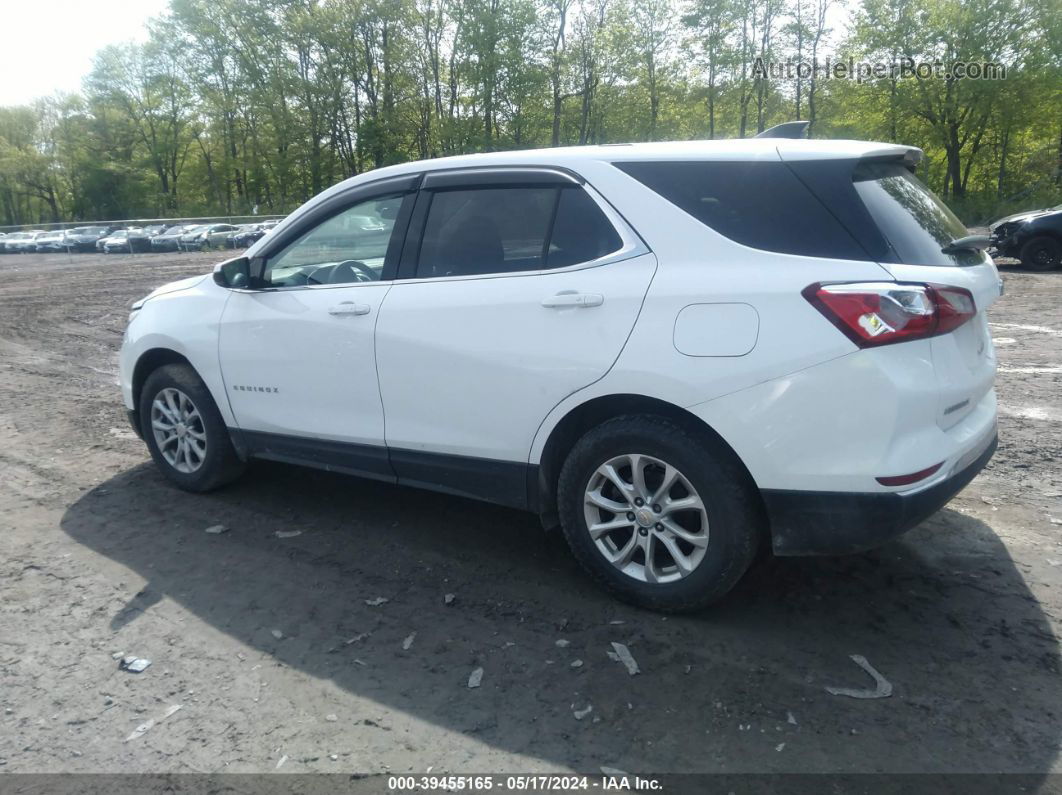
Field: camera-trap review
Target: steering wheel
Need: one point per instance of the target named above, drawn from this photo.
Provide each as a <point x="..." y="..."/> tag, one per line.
<point x="338" y="273"/>
<point x="363" y="272"/>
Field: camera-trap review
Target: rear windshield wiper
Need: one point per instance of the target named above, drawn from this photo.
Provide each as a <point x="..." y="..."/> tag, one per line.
<point x="968" y="243"/>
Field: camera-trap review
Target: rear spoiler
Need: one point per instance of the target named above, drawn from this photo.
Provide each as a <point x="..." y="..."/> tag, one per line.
<point x="907" y="156"/>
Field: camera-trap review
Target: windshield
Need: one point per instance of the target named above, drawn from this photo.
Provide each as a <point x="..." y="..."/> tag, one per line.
<point x="915" y="223"/>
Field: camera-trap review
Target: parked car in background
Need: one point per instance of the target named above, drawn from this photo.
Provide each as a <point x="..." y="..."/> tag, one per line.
<point x="118" y="242"/>
<point x="22" y="242"/>
<point x="8" y="240"/>
<point x="51" y="241"/>
<point x="1034" y="238"/>
<point x="191" y="237"/>
<point x="219" y="235"/>
<point x="84" y="238"/>
<point x="252" y="234"/>
<point x="206" y="236"/>
<point x="676" y="351"/>
<point x="230" y="239"/>
<point x="169" y="239"/>
<point x="140" y="239"/>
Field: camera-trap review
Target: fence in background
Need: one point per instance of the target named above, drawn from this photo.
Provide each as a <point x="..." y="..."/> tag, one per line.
<point x="131" y="223"/>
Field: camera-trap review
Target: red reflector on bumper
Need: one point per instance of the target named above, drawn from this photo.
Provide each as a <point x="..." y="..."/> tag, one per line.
<point x="914" y="477"/>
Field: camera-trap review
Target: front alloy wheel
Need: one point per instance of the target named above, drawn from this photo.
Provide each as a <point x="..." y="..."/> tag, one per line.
<point x="179" y="431"/>
<point x="184" y="430"/>
<point x="646" y="518"/>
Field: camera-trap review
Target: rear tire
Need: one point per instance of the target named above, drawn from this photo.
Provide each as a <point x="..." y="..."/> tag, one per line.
<point x="185" y="432"/>
<point x="1041" y="254"/>
<point x="715" y="532"/>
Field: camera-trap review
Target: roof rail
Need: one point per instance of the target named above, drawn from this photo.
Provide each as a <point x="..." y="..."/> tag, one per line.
<point x="791" y="129"/>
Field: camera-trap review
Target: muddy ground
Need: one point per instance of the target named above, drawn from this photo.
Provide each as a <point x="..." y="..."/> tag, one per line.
<point x="278" y="660"/>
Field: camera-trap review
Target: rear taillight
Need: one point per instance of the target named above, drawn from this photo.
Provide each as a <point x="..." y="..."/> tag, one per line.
<point x="881" y="313"/>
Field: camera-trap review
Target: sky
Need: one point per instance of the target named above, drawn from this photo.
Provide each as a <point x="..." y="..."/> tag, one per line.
<point x="48" y="44"/>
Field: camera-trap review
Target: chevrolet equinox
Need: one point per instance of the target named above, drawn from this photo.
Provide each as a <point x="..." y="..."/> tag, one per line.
<point x="678" y="352"/>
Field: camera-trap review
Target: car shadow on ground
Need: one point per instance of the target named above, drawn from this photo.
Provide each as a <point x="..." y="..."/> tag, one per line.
<point x="944" y="614"/>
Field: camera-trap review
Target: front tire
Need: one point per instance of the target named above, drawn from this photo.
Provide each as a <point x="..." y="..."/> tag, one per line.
<point x="185" y="432"/>
<point x="1041" y="254"/>
<point x="656" y="514"/>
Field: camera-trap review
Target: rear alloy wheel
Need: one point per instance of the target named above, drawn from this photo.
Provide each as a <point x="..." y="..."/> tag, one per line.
<point x="1041" y="254"/>
<point x="184" y="430"/>
<point x="646" y="518"/>
<point x="657" y="513"/>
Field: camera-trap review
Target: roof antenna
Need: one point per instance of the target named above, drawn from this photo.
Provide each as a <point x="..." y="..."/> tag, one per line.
<point x="791" y="129"/>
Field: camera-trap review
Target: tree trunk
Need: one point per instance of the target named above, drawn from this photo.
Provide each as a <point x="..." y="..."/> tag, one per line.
<point x="1001" y="177"/>
<point x="953" y="149"/>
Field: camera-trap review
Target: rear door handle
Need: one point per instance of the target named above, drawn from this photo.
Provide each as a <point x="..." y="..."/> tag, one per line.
<point x="349" y="308"/>
<point x="572" y="298"/>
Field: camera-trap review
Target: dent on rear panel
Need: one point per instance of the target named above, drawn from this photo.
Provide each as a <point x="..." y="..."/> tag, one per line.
<point x="720" y="329"/>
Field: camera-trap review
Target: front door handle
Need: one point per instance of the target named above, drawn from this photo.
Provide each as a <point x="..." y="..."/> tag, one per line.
<point x="570" y="298"/>
<point x="349" y="308"/>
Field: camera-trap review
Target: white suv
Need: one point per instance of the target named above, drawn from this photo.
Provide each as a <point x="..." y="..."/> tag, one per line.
<point x="676" y="351"/>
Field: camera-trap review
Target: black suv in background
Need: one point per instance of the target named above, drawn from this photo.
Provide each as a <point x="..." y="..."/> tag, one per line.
<point x="1034" y="237"/>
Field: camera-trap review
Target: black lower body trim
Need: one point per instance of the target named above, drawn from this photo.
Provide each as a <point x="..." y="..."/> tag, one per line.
<point x="364" y="460"/>
<point x="501" y="482"/>
<point x="829" y="523"/>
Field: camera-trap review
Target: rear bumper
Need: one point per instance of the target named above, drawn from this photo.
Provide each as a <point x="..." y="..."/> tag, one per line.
<point x="831" y="523"/>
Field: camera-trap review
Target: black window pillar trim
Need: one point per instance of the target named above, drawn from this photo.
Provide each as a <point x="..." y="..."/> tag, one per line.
<point x="407" y="263"/>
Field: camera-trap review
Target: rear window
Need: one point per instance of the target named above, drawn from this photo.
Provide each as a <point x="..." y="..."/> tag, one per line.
<point x="760" y="204"/>
<point x="915" y="223"/>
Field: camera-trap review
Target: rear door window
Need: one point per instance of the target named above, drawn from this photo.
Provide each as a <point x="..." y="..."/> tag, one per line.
<point x="487" y="230"/>
<point x="581" y="233"/>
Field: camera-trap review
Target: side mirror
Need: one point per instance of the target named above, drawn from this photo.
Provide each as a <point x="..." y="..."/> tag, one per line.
<point x="234" y="274"/>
